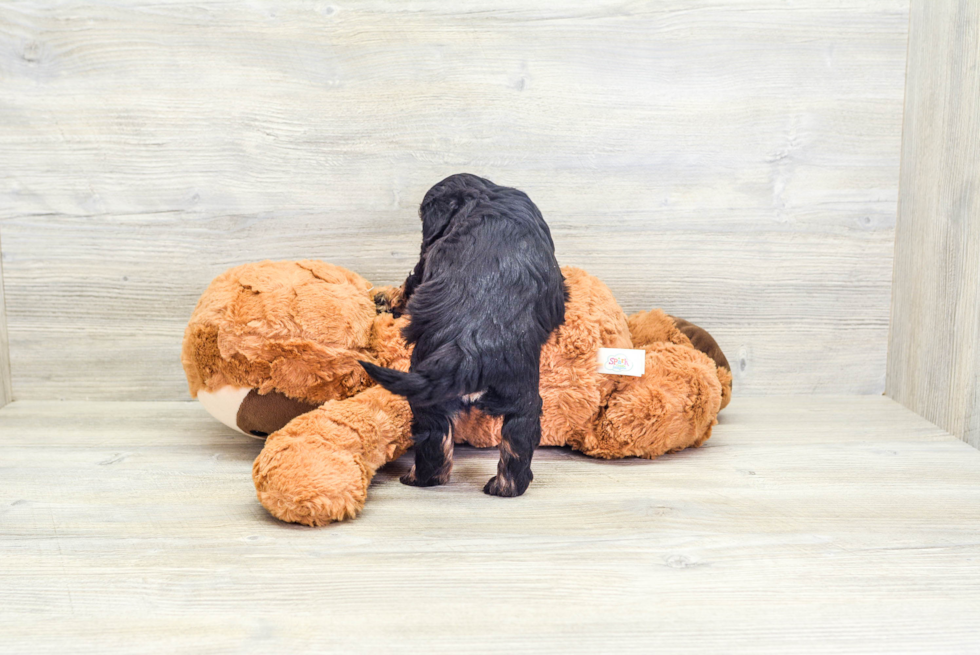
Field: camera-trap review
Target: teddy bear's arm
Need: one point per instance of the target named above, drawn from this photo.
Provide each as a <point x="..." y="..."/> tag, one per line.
<point x="318" y="467"/>
<point x="387" y="299"/>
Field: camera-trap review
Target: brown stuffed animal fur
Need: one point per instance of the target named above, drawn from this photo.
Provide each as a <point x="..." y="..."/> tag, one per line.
<point x="272" y="349"/>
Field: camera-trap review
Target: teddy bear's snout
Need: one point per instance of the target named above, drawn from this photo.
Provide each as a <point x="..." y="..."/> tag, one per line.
<point x="252" y="413"/>
<point x="262" y="414"/>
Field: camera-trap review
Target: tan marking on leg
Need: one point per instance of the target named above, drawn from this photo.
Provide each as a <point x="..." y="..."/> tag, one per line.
<point x="506" y="450"/>
<point x="447" y="443"/>
<point x="505" y="485"/>
<point x="500" y="484"/>
<point x="447" y="451"/>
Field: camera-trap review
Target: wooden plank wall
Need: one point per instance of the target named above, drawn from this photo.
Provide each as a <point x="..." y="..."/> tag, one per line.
<point x="735" y="163"/>
<point x="6" y="387"/>
<point x="934" y="353"/>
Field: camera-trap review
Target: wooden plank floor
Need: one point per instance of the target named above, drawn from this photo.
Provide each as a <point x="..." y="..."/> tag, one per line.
<point x="813" y="524"/>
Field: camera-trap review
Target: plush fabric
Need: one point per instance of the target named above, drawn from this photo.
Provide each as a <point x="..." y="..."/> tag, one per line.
<point x="298" y="329"/>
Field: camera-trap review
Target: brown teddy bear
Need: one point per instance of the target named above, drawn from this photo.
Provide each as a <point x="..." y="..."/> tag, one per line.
<point x="272" y="350"/>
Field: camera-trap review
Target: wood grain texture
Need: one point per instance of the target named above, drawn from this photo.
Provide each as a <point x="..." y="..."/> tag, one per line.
<point x="804" y="525"/>
<point x="6" y="387"/>
<point x="934" y="356"/>
<point x="734" y="163"/>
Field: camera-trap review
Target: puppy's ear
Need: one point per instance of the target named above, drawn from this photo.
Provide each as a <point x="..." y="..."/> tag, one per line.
<point x="436" y="215"/>
<point x="443" y="202"/>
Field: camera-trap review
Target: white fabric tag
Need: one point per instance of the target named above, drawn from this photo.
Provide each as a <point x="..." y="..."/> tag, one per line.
<point x="621" y="361"/>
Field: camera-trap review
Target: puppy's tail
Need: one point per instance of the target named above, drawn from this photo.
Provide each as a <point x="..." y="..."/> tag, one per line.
<point x="417" y="388"/>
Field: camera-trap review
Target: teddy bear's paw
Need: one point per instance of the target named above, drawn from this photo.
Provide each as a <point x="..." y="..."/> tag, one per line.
<point x="507" y="487"/>
<point x="299" y="481"/>
<point x="413" y="480"/>
<point x="389" y="300"/>
<point x="382" y="303"/>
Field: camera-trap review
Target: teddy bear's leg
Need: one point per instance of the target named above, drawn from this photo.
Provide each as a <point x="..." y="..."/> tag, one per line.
<point x="703" y="341"/>
<point x="318" y="467"/>
<point x="671" y="407"/>
<point x="656" y="326"/>
<point x="433" y="436"/>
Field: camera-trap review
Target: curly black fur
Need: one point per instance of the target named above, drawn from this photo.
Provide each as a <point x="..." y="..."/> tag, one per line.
<point x="484" y="297"/>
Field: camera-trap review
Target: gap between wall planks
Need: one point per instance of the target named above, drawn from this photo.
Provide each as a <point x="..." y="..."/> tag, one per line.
<point x="6" y="388"/>
<point x="734" y="163"/>
<point x="934" y="350"/>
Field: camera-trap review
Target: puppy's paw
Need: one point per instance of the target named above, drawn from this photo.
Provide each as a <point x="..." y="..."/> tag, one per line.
<point x="504" y="487"/>
<point x="412" y="480"/>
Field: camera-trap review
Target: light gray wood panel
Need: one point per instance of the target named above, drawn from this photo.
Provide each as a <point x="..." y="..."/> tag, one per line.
<point x="934" y="358"/>
<point x="736" y="164"/>
<point x="6" y="387"/>
<point x="122" y="298"/>
<point x="836" y="524"/>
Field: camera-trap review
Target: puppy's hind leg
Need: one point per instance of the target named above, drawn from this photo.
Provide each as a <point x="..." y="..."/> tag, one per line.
<point x="433" y="437"/>
<point x="520" y="435"/>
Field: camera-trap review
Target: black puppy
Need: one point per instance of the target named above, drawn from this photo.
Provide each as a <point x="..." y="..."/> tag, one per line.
<point x="482" y="300"/>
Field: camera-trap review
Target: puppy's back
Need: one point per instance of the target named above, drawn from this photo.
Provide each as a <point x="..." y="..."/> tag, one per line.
<point x="491" y="290"/>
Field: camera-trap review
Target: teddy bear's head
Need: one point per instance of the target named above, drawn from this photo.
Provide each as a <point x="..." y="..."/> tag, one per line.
<point x="272" y="340"/>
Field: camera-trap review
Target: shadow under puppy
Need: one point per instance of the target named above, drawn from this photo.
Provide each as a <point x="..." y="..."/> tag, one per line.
<point x="484" y="297"/>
